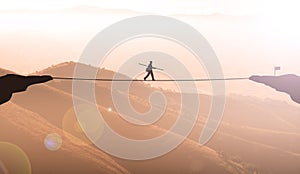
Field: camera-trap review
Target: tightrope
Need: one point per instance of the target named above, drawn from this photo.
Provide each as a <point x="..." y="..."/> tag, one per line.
<point x="159" y="80"/>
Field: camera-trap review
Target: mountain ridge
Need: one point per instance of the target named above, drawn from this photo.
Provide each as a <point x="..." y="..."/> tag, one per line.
<point x="243" y="139"/>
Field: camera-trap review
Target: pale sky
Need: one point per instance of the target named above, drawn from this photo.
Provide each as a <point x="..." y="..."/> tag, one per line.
<point x="244" y="47"/>
<point x="234" y="7"/>
<point x="277" y="25"/>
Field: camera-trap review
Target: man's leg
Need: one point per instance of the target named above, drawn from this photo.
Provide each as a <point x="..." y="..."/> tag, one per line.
<point x="146" y="76"/>
<point x="152" y="75"/>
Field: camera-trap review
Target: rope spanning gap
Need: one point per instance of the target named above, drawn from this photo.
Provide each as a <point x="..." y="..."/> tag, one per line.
<point x="160" y="80"/>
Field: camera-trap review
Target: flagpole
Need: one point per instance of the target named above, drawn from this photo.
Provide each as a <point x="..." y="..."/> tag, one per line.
<point x="276" y="68"/>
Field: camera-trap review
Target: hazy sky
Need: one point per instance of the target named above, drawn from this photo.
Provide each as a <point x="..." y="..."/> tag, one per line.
<point x="166" y="6"/>
<point x="275" y="28"/>
<point x="250" y="37"/>
<point x="158" y="6"/>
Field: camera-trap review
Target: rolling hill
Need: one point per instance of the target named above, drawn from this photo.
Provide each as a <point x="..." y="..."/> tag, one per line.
<point x="38" y="99"/>
<point x="253" y="131"/>
<point x="255" y="135"/>
<point x="28" y="131"/>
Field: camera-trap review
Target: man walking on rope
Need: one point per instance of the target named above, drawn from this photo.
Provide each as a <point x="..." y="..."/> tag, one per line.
<point x="149" y="70"/>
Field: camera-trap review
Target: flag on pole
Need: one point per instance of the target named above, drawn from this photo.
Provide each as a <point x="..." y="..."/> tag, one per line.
<point x="276" y="68"/>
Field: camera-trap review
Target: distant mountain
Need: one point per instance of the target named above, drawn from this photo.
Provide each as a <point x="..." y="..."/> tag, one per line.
<point x="82" y="9"/>
<point x="289" y="84"/>
<point x="217" y="16"/>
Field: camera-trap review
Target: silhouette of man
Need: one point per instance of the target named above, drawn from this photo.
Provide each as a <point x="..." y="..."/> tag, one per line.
<point x="12" y="83"/>
<point x="150" y="71"/>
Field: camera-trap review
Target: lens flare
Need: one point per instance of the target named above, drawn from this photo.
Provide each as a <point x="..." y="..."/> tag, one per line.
<point x="53" y="141"/>
<point x="13" y="159"/>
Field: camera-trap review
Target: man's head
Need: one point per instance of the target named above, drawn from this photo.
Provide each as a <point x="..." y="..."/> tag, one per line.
<point x="150" y="62"/>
